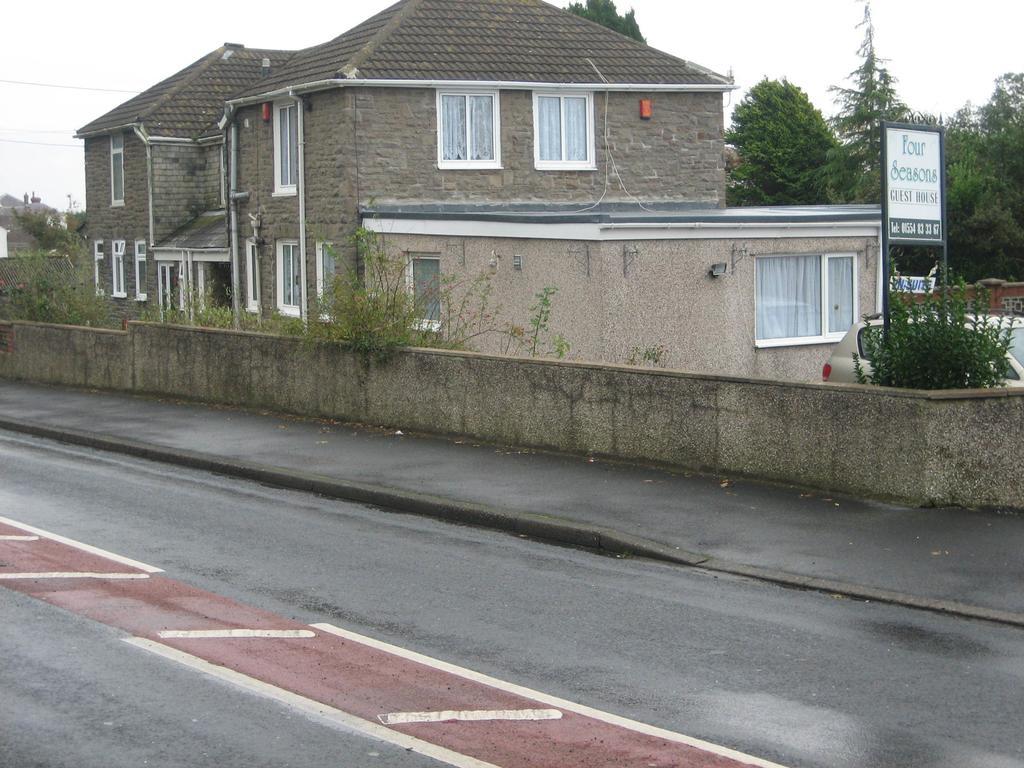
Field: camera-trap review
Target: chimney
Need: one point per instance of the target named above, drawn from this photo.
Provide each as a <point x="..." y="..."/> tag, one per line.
<point x="265" y="67"/>
<point x="26" y="198"/>
<point x="35" y="199"/>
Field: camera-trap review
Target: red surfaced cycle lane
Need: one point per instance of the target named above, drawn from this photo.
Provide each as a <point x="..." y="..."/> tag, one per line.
<point x="454" y="715"/>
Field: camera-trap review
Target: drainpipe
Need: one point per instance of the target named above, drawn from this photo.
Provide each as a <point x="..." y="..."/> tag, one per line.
<point x="302" y="200"/>
<point x="144" y="138"/>
<point x="233" y="198"/>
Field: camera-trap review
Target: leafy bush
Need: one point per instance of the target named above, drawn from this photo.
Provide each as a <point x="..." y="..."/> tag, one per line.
<point x="946" y="341"/>
<point x="53" y="289"/>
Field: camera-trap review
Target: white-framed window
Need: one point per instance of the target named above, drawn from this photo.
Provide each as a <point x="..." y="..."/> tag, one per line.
<point x="326" y="266"/>
<point x="286" y="148"/>
<point x="170" y="284"/>
<point x="563" y="131"/>
<point x="117" y="251"/>
<point x="423" y="277"/>
<point x="97" y="257"/>
<point x="117" y="169"/>
<point x="252" y="276"/>
<point x="141" y="272"/>
<point x="468" y="129"/>
<point x="289" y="278"/>
<point x="804" y="298"/>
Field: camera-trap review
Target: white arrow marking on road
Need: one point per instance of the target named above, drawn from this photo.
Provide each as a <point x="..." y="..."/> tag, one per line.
<point x="73" y="575"/>
<point x="469" y="715"/>
<point x="19" y="538"/>
<point x="231" y="633"/>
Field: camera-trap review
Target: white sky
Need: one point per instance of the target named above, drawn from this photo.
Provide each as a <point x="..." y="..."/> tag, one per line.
<point x="943" y="53"/>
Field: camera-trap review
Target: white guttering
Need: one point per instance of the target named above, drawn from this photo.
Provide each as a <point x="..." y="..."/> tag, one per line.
<point x="140" y="131"/>
<point x="594" y="231"/>
<point x="507" y="85"/>
<point x="104" y="131"/>
<point x="301" y="127"/>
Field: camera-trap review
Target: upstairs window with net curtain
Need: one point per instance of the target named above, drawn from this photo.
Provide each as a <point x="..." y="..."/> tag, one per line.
<point x="469" y="130"/>
<point x="563" y="131"/>
<point x="804" y="299"/>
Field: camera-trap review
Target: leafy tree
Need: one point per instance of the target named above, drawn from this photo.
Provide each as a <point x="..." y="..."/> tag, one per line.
<point x="852" y="173"/>
<point x="604" y="13"/>
<point x="51" y="232"/>
<point x="985" y="184"/>
<point x="783" y="142"/>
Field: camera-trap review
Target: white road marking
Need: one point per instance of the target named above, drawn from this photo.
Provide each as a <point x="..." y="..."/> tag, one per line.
<point x="469" y="715"/>
<point x="310" y="707"/>
<point x="543" y="698"/>
<point x="19" y="538"/>
<point x="79" y="545"/>
<point x="73" y="575"/>
<point x="223" y="633"/>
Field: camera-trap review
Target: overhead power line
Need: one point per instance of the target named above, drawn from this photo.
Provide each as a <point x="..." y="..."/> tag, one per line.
<point x="40" y="143"/>
<point x="66" y="132"/>
<point x="66" y="87"/>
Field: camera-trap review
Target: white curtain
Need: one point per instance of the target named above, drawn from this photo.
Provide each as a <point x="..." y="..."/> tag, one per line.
<point x="576" y="129"/>
<point x="549" y="125"/>
<point x="426" y="278"/>
<point x="840" y="294"/>
<point x="788" y="296"/>
<point x="453" y="127"/>
<point x="482" y="127"/>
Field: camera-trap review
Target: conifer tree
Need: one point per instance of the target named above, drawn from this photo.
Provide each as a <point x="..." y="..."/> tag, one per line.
<point x="604" y="13"/>
<point x="852" y="172"/>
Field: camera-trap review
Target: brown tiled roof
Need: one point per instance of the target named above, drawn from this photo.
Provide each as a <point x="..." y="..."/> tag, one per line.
<point x="189" y="103"/>
<point x="497" y="40"/>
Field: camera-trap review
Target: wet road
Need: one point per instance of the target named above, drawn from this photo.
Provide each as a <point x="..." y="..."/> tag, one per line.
<point x="796" y="678"/>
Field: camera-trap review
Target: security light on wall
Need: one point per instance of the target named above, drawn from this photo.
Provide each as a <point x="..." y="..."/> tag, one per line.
<point x="719" y="269"/>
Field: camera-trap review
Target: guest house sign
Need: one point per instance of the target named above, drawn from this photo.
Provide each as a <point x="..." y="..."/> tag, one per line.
<point x="912" y="181"/>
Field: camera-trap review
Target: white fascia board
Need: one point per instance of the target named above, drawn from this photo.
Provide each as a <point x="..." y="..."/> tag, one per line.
<point x="500" y="85"/>
<point x="170" y="140"/>
<point x="598" y="232"/>
<point x="135" y="126"/>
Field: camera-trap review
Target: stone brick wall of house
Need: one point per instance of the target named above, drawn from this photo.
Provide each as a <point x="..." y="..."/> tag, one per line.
<point x="129" y="222"/>
<point x="366" y="145"/>
<point x="186" y="182"/>
<point x="616" y="299"/>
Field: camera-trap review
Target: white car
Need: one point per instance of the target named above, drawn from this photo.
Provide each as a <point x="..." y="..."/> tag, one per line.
<point x="839" y="368"/>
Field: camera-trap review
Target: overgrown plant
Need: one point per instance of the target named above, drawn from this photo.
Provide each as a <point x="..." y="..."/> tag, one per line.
<point x="536" y="339"/>
<point x="946" y="341"/>
<point x="53" y="289"/>
<point x="374" y="310"/>
<point x="654" y="355"/>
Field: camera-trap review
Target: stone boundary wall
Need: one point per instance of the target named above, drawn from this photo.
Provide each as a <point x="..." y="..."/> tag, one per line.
<point x="959" y="447"/>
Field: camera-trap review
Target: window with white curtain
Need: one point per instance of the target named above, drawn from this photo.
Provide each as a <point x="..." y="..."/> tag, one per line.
<point x="140" y="270"/>
<point x="468" y="130"/>
<point x="286" y="148"/>
<point x="563" y="129"/>
<point x="423" y="277"/>
<point x="804" y="299"/>
<point x="97" y="257"/>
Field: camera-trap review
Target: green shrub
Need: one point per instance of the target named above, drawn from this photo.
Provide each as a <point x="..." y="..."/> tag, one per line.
<point x="946" y="341"/>
<point x="53" y="289"/>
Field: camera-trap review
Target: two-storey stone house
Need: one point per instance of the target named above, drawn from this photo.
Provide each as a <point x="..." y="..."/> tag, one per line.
<point x="510" y="138"/>
<point x="154" y="175"/>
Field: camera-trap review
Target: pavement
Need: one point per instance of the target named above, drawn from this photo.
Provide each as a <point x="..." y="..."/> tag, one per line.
<point x="957" y="561"/>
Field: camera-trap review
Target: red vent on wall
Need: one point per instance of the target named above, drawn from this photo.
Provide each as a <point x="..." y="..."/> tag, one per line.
<point x="646" y="109"/>
<point x="266" y="112"/>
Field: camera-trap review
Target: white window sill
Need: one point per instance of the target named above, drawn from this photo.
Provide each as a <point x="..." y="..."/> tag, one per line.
<point x="284" y="192"/>
<point x="553" y="166"/>
<point x="117" y="203"/>
<point x="140" y="297"/>
<point x="469" y="165"/>
<point x="427" y="325"/>
<point x="289" y="311"/>
<point x="799" y="341"/>
<point x="116" y="295"/>
<point x="253" y="308"/>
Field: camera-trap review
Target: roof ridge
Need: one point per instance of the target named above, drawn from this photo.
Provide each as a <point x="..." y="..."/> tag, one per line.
<point x="632" y="41"/>
<point x="207" y="62"/>
<point x="379" y="36"/>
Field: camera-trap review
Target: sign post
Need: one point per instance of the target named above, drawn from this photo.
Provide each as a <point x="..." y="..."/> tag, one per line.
<point x="913" y="193"/>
